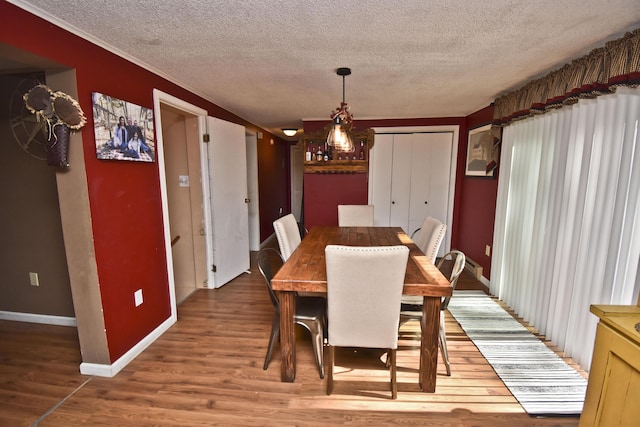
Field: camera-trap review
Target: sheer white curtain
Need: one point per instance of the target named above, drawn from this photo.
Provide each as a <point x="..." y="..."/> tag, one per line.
<point x="567" y="227"/>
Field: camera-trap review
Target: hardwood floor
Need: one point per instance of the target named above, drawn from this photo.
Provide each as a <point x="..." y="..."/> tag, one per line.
<point x="207" y="370"/>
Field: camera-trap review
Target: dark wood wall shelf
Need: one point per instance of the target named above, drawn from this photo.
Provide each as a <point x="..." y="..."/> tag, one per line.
<point x="314" y="140"/>
<point x="337" y="166"/>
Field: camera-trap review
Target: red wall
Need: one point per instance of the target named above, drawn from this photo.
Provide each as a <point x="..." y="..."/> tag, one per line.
<point x="275" y="179"/>
<point x="124" y="196"/>
<point x="324" y="192"/>
<point x="476" y="208"/>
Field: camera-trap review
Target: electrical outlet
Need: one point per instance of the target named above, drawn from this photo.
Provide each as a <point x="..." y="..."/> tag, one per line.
<point x="33" y="279"/>
<point x="137" y="296"/>
<point x="487" y="250"/>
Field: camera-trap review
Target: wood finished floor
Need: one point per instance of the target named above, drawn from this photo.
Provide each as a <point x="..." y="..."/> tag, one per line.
<point x="206" y="370"/>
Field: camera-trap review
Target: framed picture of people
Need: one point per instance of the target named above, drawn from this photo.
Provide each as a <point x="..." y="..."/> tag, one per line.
<point x="123" y="131"/>
<point x="482" y="152"/>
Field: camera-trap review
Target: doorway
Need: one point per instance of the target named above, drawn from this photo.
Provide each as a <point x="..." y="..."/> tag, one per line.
<point x="184" y="199"/>
<point x="180" y="169"/>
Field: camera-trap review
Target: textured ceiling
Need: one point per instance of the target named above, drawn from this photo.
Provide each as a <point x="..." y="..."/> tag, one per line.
<point x="273" y="62"/>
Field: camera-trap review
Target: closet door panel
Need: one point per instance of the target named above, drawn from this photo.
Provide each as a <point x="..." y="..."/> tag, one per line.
<point x="440" y="170"/>
<point x="419" y="199"/>
<point x="401" y="181"/>
<point x="380" y="164"/>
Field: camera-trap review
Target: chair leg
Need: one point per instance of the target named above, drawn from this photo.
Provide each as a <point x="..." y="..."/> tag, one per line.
<point x="330" y="369"/>
<point x="316" y="331"/>
<point x="394" y="385"/>
<point x="275" y="334"/>
<point x="442" y="339"/>
<point x="318" y="346"/>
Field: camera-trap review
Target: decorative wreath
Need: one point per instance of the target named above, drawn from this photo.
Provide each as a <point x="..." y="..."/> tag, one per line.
<point x="54" y="107"/>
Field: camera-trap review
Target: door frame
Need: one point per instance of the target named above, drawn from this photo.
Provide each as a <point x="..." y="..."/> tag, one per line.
<point x="159" y="98"/>
<point x="455" y="130"/>
<point x="253" y="185"/>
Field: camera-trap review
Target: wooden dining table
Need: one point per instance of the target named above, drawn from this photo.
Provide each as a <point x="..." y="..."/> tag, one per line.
<point x="305" y="271"/>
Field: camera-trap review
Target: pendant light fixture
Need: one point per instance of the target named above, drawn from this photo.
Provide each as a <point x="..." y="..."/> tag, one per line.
<point x="342" y="119"/>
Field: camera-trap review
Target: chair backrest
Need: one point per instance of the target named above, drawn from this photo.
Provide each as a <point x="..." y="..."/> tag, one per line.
<point x="265" y="259"/>
<point x="364" y="286"/>
<point x="459" y="260"/>
<point x="355" y="215"/>
<point x="429" y="237"/>
<point x="288" y="235"/>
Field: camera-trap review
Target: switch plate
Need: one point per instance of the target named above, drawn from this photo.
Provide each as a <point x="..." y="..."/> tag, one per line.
<point x="137" y="296"/>
<point x="33" y="279"/>
<point x="487" y="250"/>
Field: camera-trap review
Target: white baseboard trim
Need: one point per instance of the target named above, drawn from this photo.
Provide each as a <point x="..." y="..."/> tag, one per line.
<point x="110" y="371"/>
<point x="38" y="318"/>
<point x="268" y="241"/>
<point x="485" y="281"/>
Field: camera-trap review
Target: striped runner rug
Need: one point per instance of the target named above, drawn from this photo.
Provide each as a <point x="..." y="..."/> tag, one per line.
<point x="543" y="383"/>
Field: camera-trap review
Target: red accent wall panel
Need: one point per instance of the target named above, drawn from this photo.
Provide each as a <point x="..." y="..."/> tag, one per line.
<point x="273" y="170"/>
<point x="324" y="192"/>
<point x="476" y="209"/>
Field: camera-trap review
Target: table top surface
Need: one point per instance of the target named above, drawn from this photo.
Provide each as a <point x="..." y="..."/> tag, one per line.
<point x="306" y="269"/>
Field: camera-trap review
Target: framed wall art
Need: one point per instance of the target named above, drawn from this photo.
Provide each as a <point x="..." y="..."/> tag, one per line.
<point x="123" y="131"/>
<point x="482" y="152"/>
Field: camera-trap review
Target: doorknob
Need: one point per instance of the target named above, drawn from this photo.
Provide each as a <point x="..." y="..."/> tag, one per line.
<point x="247" y="200"/>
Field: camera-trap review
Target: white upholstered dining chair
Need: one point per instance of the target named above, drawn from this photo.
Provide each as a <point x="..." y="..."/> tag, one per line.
<point x="429" y="237"/>
<point x="364" y="285"/>
<point x="355" y="215"/>
<point x="288" y="235"/>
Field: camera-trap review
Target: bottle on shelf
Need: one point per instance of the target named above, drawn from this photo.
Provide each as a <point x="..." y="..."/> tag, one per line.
<point x="361" y="153"/>
<point x="307" y="154"/>
<point x="319" y="154"/>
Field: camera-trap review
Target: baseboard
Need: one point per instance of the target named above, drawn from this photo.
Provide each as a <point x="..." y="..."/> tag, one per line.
<point x="269" y="242"/>
<point x="485" y="282"/>
<point x="473" y="268"/>
<point x="102" y="370"/>
<point x="45" y="319"/>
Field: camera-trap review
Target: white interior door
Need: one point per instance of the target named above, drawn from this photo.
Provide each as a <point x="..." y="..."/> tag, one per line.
<point x="380" y="165"/>
<point x="252" y="190"/>
<point x="297" y="174"/>
<point x="430" y="175"/>
<point x="401" y="181"/>
<point x="227" y="161"/>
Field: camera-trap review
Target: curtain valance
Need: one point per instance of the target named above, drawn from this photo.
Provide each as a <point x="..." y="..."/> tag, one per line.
<point x="599" y="72"/>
